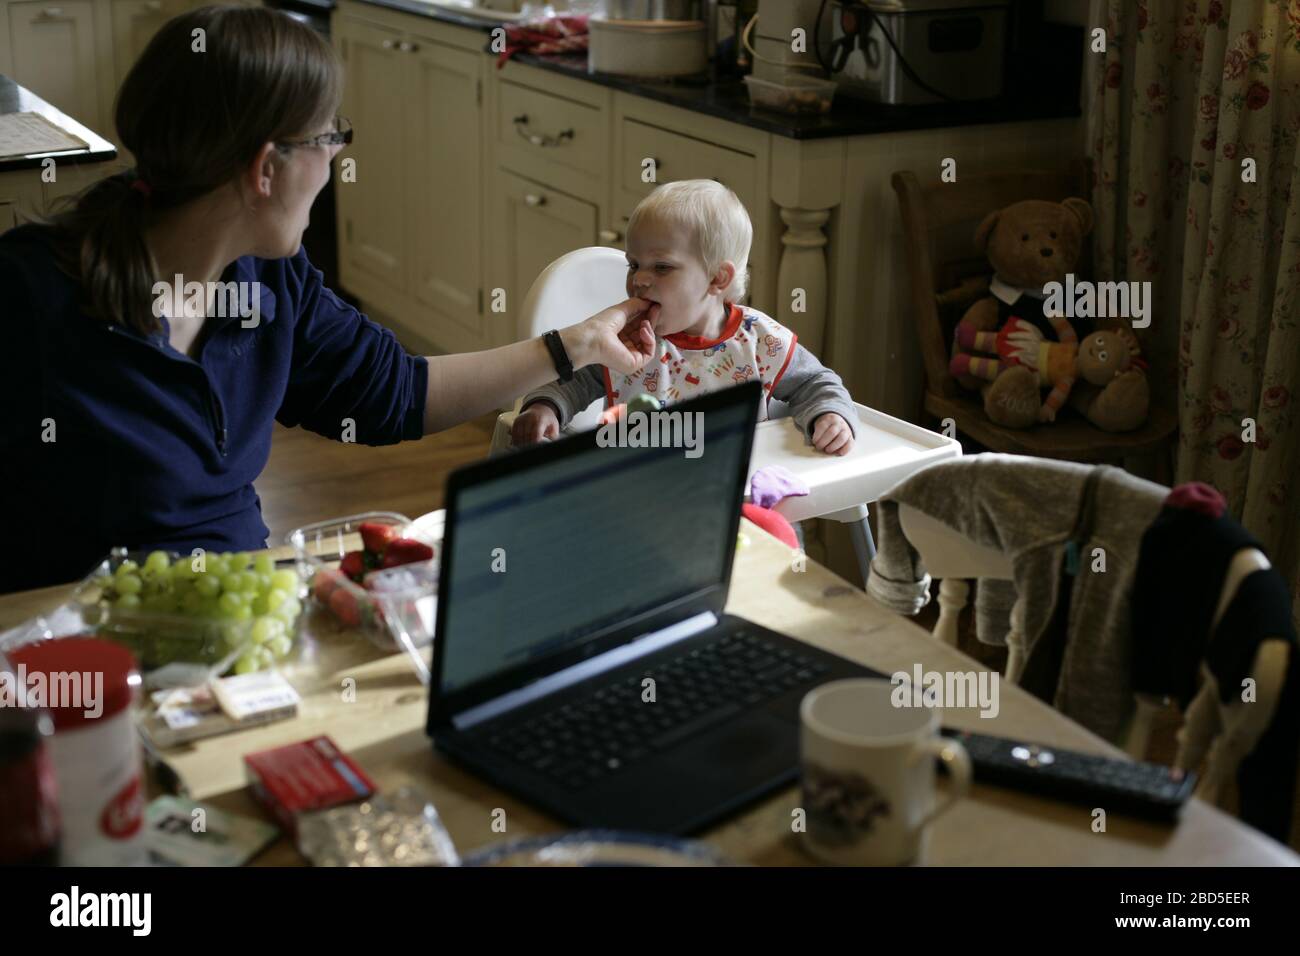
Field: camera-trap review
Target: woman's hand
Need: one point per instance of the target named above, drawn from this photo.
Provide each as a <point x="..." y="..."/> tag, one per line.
<point x="621" y="337"/>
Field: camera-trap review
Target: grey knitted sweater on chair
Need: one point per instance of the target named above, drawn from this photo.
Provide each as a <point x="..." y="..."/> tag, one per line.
<point x="1028" y="508"/>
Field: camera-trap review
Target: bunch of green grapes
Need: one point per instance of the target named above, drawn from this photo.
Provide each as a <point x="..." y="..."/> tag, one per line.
<point x="235" y="594"/>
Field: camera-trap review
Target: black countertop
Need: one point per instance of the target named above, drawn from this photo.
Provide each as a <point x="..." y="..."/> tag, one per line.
<point x="728" y="98"/>
<point x="17" y="99"/>
<point x="444" y="14"/>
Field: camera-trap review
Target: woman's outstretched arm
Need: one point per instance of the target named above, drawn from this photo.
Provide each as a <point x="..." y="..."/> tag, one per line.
<point x="470" y="384"/>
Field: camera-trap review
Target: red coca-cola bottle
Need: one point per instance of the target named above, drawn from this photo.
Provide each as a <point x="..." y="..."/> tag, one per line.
<point x="29" y="824"/>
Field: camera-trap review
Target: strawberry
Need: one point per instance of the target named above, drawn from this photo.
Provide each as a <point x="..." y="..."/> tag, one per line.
<point x="344" y="606"/>
<point x="376" y="536"/>
<point x="325" y="583"/>
<point x="353" y="565"/>
<point x="406" y="551"/>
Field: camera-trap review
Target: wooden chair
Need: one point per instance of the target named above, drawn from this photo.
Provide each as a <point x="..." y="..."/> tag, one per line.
<point x="946" y="275"/>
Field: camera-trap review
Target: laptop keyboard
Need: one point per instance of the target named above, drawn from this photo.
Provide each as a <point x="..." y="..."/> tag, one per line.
<point x="613" y="727"/>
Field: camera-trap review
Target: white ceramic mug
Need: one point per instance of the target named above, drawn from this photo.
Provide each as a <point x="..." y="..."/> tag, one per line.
<point x="868" y="773"/>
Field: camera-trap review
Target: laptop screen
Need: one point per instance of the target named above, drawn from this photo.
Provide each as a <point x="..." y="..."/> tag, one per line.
<point x="552" y="554"/>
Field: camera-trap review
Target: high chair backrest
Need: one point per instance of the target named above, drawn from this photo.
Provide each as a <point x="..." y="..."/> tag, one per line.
<point x="576" y="285"/>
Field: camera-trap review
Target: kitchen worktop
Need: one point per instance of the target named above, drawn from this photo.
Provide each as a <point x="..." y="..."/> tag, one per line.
<point x="434" y="12"/>
<point x="18" y="99"/>
<point x="727" y="98"/>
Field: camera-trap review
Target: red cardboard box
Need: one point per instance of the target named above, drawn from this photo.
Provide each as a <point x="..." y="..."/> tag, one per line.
<point x="303" y="777"/>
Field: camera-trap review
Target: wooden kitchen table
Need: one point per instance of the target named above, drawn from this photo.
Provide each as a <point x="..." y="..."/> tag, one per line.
<point x="383" y="729"/>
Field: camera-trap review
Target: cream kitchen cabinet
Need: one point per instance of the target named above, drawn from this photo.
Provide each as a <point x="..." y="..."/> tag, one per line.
<point x="411" y="221"/>
<point x="655" y="143"/>
<point x="372" y="210"/>
<point x="21" y="197"/>
<point x="75" y="54"/>
<point x="445" y="176"/>
<point x="551" y="186"/>
<point x="535" y="226"/>
<point x="134" y="22"/>
<point x="52" y="50"/>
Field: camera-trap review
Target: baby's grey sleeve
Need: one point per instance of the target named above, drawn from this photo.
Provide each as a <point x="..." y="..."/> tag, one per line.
<point x="811" y="389"/>
<point x="569" y="398"/>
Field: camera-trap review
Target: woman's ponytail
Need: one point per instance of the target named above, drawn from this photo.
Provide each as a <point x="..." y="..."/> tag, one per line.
<point x="103" y="245"/>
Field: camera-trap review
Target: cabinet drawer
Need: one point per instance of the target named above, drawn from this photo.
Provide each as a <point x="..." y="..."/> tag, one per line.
<point x="551" y="128"/>
<point x="681" y="157"/>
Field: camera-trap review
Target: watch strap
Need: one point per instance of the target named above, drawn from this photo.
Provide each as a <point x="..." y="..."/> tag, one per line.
<point x="555" y="345"/>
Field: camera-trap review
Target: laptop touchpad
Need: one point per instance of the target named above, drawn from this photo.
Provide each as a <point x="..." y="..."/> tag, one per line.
<point x="756" y="744"/>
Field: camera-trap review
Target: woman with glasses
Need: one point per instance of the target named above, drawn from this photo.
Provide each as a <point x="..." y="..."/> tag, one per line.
<point x="156" y="329"/>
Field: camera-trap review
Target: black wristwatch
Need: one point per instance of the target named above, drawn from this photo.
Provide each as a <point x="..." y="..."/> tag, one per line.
<point x="555" y="345"/>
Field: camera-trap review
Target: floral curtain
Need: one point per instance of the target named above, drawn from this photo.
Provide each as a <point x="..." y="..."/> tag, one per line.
<point x="1193" y="123"/>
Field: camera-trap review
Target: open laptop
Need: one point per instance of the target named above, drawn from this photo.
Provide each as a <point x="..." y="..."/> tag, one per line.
<point x="583" y="659"/>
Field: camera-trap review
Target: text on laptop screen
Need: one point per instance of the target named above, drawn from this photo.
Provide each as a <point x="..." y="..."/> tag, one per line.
<point x="547" y="558"/>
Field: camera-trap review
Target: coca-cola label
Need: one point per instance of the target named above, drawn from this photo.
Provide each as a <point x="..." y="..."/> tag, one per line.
<point x="124" y="814"/>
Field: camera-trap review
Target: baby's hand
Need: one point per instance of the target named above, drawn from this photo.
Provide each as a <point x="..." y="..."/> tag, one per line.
<point x="832" y="434"/>
<point x="535" y="423"/>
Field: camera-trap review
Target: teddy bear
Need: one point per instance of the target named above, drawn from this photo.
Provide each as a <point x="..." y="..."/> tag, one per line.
<point x="1030" y="244"/>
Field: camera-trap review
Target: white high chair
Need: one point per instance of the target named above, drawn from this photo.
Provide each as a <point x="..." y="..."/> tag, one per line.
<point x="1226" y="733"/>
<point x="886" y="450"/>
<point x="573" y="287"/>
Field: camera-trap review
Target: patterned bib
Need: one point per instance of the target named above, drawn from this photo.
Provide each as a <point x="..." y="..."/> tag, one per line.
<point x="752" y="345"/>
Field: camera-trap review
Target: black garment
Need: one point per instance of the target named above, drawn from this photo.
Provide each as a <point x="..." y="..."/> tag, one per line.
<point x="1182" y="565"/>
<point x="1032" y="309"/>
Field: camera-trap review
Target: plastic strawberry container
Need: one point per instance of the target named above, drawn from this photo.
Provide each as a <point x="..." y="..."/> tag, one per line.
<point x="395" y="608"/>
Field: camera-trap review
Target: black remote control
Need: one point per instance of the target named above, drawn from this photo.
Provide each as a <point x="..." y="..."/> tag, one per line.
<point x="1146" y="790"/>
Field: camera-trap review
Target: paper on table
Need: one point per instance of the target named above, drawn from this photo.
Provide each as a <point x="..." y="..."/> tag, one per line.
<point x="22" y="134"/>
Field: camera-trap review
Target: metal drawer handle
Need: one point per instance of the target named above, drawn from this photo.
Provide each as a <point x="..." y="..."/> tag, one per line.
<point x="407" y="47"/>
<point x="610" y="235"/>
<point x="540" y="139"/>
<point x="387" y="44"/>
<point x="533" y="199"/>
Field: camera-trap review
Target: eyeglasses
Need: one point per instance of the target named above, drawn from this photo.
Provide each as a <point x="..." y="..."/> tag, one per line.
<point x="341" y="135"/>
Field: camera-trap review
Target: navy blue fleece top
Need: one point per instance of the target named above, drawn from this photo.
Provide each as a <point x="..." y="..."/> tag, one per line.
<point x="154" y="449"/>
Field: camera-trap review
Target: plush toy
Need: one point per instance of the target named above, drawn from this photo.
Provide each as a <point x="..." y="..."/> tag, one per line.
<point x="1113" y="392"/>
<point x="1098" y="361"/>
<point x="1030" y="244"/>
<point x="774" y="523"/>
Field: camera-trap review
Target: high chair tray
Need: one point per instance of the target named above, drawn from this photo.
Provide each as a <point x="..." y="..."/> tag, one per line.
<point x="885" y="451"/>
